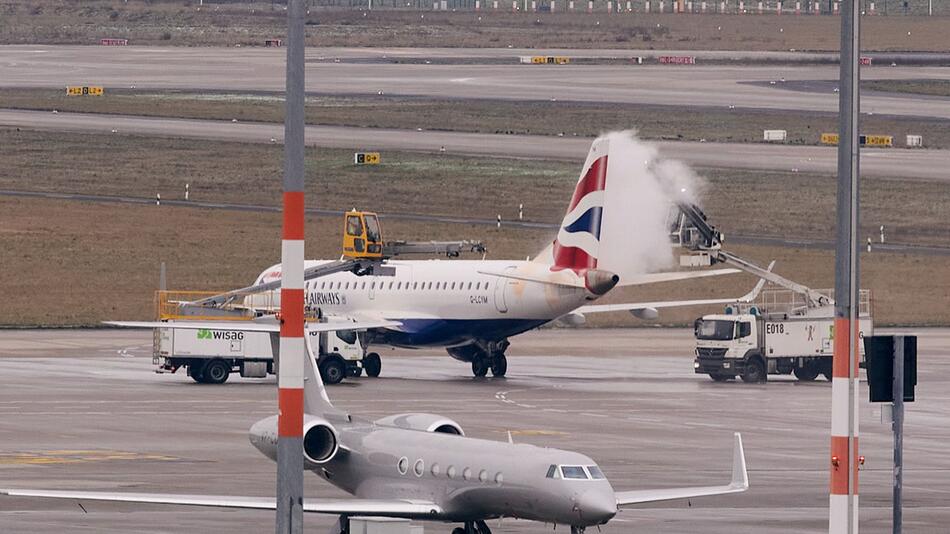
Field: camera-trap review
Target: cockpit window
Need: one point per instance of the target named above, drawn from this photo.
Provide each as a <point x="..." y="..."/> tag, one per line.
<point x="595" y="472"/>
<point x="552" y="471"/>
<point x="574" y="472"/>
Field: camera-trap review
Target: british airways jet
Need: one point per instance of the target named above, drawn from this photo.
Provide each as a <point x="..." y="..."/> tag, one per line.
<point x="472" y="308"/>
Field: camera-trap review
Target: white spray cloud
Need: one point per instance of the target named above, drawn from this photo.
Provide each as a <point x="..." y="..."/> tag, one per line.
<point x="641" y="189"/>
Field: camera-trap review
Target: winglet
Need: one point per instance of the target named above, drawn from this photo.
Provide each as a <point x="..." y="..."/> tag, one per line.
<point x="740" y="475"/>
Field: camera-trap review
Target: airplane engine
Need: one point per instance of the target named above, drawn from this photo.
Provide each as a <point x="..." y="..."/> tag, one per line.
<point x="320" y="443"/>
<point x="426" y="422"/>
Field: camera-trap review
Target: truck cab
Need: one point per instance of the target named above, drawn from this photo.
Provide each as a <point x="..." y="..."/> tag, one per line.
<point x="724" y="343"/>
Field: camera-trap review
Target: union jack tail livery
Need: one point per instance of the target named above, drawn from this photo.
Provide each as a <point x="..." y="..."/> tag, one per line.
<point x="578" y="241"/>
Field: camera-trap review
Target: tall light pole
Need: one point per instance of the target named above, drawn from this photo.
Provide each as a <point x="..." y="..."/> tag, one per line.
<point x="843" y="502"/>
<point x="290" y="365"/>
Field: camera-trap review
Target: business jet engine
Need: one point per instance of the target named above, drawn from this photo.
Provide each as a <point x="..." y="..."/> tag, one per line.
<point x="320" y="441"/>
<point x="425" y="422"/>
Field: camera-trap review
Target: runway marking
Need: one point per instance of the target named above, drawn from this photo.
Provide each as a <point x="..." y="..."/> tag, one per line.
<point x="56" y="457"/>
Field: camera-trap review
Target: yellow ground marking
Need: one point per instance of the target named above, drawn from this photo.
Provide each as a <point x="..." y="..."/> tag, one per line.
<point x="56" y="457"/>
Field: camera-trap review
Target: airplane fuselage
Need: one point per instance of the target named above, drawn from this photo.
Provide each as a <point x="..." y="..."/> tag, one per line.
<point x="443" y="303"/>
<point x="469" y="479"/>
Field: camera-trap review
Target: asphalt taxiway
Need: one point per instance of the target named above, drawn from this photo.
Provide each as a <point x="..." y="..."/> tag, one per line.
<point x="82" y="409"/>
<point x="907" y="164"/>
<point x="262" y="69"/>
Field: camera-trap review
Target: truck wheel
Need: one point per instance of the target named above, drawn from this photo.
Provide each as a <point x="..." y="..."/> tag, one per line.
<point x="216" y="372"/>
<point x="196" y="372"/>
<point x="825" y="367"/>
<point x="332" y="369"/>
<point x="807" y="372"/>
<point x="720" y="378"/>
<point x="754" y="371"/>
<point x="372" y="364"/>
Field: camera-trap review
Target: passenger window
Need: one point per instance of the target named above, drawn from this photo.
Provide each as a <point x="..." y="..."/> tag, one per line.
<point x="399" y="285"/>
<point x="323" y="285"/>
<point x="390" y="285"/>
<point x="483" y="476"/>
<point x="450" y="472"/>
<point x="499" y="479"/>
<point x="372" y="285"/>
<point x="469" y="286"/>
<point x="552" y="471"/>
<point x="436" y="470"/>
<point x="575" y="472"/>
<point x="414" y="284"/>
<point x="467" y="473"/>
<point x="364" y="285"/>
<point x="419" y="468"/>
<point x="347" y="286"/>
<point x="453" y="285"/>
<point x="403" y="465"/>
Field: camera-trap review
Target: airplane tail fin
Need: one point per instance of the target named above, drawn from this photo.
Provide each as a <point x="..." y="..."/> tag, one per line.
<point x="577" y="245"/>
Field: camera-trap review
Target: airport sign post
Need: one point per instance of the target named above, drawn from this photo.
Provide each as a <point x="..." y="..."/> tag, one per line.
<point x="291" y="358"/>
<point x="843" y="499"/>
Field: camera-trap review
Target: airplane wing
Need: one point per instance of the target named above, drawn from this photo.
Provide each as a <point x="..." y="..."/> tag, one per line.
<point x="739" y="483"/>
<point x="640" y="306"/>
<point x="655" y="278"/>
<point x="364" y="507"/>
<point x="250" y="326"/>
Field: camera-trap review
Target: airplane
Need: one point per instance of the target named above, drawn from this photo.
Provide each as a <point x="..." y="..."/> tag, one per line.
<point x="473" y="307"/>
<point x="422" y="467"/>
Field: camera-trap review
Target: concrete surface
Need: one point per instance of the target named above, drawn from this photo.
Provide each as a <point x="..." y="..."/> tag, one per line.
<point x="922" y="164"/>
<point x="244" y="69"/>
<point x="82" y="409"/>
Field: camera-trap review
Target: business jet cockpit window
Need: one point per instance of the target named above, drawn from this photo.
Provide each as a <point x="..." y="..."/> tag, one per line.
<point x="574" y="472"/>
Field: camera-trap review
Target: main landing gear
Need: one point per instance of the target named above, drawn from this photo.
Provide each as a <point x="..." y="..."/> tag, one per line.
<point x="491" y="357"/>
<point x="472" y="527"/>
<point x="484" y="356"/>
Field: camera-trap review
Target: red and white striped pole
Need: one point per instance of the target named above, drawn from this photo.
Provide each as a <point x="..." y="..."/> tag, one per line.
<point x="291" y="360"/>
<point x="843" y="501"/>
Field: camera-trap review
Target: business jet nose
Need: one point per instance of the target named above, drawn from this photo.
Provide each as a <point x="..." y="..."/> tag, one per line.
<point x="597" y="506"/>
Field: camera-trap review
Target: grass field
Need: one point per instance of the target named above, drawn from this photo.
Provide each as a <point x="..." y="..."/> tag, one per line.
<point x="78" y="263"/>
<point x="483" y="116"/>
<point x="186" y="23"/>
<point x="741" y="202"/>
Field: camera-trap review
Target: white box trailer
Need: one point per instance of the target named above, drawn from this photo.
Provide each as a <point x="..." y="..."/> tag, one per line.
<point x="211" y="355"/>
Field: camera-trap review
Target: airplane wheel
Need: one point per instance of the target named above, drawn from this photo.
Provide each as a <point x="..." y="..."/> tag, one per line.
<point x="216" y="372"/>
<point x="458" y="530"/>
<point x="372" y="364"/>
<point x="499" y="365"/>
<point x="480" y="367"/>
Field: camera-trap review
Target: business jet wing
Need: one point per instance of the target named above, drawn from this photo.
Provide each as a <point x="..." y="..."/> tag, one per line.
<point x="634" y="307"/>
<point x="250" y="326"/>
<point x="739" y="483"/>
<point x="362" y="507"/>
